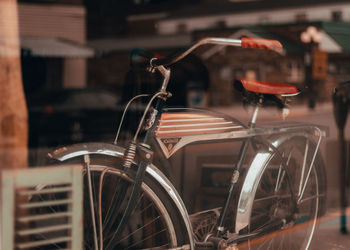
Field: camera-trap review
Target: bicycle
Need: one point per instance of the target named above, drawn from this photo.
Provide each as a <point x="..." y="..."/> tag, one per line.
<point x="130" y="204"/>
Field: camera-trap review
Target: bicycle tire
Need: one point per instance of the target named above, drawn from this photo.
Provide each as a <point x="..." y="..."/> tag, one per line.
<point x="155" y="222"/>
<point x="273" y="199"/>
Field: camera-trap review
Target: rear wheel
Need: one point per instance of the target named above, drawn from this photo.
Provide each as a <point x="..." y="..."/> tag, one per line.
<point x="288" y="198"/>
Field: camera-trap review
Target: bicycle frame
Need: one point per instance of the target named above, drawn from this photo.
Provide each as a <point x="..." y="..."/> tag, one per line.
<point x="248" y="188"/>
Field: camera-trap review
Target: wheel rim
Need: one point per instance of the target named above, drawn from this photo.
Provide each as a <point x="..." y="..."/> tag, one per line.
<point x="273" y="201"/>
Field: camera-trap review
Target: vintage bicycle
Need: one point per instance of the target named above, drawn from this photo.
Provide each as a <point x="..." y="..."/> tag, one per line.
<point x="274" y="198"/>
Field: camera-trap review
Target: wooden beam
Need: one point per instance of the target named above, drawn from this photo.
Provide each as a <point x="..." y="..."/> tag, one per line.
<point x="13" y="110"/>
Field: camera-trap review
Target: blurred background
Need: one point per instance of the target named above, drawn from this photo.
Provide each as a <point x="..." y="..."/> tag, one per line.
<point x="80" y="65"/>
<point x="69" y="48"/>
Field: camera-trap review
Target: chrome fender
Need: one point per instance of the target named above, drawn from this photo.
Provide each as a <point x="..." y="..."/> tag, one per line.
<point x="252" y="179"/>
<point x="81" y="149"/>
<point x="65" y="153"/>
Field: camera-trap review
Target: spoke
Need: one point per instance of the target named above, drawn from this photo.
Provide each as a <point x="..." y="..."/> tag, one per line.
<point x="51" y="208"/>
<point x="303" y="167"/>
<point x="281" y="181"/>
<point x="125" y="237"/>
<point x="273" y="197"/>
<point x="284" y="171"/>
<point x="310" y="198"/>
<point x="311" y="165"/>
<point x="266" y="198"/>
<point x="278" y="176"/>
<point x="145" y="208"/>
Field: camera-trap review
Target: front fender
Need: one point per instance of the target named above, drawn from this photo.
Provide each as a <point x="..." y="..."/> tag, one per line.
<point x="80" y="149"/>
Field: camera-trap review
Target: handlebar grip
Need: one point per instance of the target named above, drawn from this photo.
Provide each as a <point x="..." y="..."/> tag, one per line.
<point x="260" y="43"/>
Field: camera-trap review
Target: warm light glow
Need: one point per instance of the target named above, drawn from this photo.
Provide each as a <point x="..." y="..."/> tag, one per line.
<point x="311" y="30"/>
<point x="311" y="34"/>
<point x="317" y="38"/>
<point x="305" y="37"/>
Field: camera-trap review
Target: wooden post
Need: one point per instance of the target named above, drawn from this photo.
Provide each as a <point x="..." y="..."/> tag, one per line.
<point x="13" y="110"/>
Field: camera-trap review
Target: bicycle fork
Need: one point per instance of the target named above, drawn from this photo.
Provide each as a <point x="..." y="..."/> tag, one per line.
<point x="146" y="155"/>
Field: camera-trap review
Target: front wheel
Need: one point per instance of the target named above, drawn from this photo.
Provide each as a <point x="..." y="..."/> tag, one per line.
<point x="155" y="221"/>
<point x="288" y="198"/>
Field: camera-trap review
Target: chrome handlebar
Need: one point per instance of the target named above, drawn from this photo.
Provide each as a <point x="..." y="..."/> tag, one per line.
<point x="244" y="43"/>
<point x="161" y="64"/>
<point x="171" y="60"/>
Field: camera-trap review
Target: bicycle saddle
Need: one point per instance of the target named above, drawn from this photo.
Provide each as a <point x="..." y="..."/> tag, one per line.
<point x="272" y="88"/>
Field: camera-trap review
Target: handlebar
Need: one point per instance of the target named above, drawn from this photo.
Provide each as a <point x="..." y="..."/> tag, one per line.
<point x="260" y="43"/>
<point x="244" y="43"/>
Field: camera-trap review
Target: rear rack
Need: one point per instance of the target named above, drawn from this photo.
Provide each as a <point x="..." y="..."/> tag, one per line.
<point x="179" y="141"/>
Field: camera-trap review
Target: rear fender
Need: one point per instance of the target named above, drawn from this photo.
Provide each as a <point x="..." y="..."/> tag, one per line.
<point x="252" y="179"/>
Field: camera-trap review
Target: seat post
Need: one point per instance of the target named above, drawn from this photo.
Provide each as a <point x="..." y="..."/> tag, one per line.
<point x="255" y="114"/>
